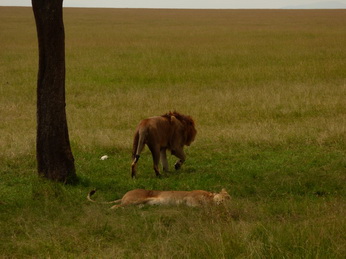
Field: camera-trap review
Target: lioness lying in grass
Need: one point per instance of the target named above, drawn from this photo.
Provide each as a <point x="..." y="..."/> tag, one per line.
<point x="189" y="198"/>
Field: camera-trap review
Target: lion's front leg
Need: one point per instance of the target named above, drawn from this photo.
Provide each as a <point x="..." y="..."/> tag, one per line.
<point x="178" y="164"/>
<point x="163" y="158"/>
<point x="179" y="153"/>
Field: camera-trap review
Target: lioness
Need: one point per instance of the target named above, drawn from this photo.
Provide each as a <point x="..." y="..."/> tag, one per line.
<point x="189" y="198"/>
<point x="170" y="131"/>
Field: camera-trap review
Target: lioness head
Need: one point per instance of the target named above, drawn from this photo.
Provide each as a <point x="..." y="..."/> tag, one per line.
<point x="221" y="197"/>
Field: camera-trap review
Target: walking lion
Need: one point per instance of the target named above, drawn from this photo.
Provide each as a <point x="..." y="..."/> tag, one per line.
<point x="171" y="131"/>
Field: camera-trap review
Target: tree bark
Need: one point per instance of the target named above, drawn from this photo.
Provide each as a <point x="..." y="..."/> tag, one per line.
<point x="53" y="151"/>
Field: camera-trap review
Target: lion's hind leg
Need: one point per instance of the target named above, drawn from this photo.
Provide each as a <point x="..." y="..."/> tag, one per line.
<point x="117" y="206"/>
<point x="155" y="152"/>
<point x="140" y="202"/>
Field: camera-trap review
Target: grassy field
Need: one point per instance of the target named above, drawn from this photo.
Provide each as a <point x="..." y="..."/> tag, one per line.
<point x="267" y="89"/>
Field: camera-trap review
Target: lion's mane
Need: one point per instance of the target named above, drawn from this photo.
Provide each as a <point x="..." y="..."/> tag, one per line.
<point x="188" y="123"/>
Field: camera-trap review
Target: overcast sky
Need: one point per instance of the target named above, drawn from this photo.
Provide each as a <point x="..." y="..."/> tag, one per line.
<point x="210" y="4"/>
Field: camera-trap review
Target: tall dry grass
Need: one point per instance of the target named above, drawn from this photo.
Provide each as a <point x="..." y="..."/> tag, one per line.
<point x="246" y="76"/>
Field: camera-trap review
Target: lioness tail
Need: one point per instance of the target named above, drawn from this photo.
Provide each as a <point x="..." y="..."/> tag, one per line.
<point x="92" y="192"/>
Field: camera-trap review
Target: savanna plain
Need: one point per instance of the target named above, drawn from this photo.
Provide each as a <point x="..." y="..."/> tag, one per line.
<point x="267" y="89"/>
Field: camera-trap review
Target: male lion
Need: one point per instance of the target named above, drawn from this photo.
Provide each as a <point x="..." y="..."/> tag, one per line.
<point x="189" y="198"/>
<point x="170" y="131"/>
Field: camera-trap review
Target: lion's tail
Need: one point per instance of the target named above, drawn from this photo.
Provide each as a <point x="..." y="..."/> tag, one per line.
<point x="91" y="193"/>
<point x="138" y="145"/>
<point x="135" y="145"/>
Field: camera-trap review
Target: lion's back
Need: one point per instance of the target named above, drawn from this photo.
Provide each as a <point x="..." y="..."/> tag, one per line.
<point x="157" y="130"/>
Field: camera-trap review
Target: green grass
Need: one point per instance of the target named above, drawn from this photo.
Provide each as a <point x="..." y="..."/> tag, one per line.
<point x="267" y="90"/>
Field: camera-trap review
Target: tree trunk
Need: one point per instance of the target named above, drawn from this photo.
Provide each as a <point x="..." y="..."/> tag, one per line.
<point x="53" y="151"/>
